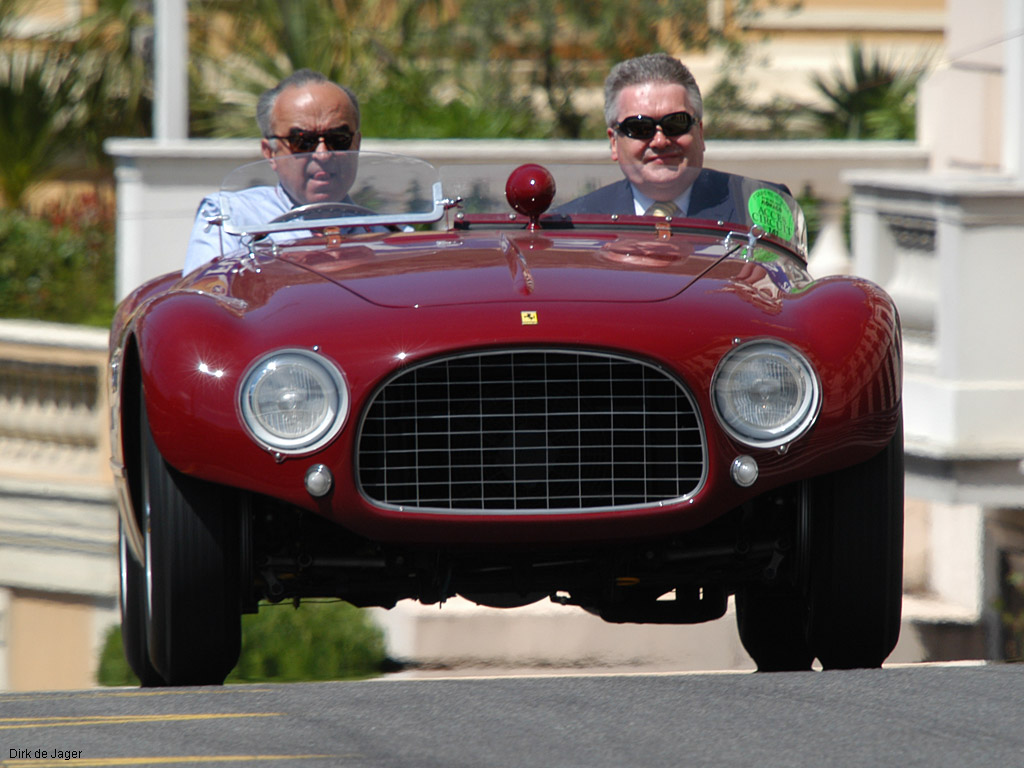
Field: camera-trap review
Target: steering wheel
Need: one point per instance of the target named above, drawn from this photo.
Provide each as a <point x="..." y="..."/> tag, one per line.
<point x="327" y="210"/>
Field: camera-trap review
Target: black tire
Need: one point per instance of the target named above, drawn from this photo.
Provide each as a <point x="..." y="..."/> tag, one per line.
<point x="133" y="616"/>
<point x="771" y="620"/>
<point x="853" y="529"/>
<point x="193" y="610"/>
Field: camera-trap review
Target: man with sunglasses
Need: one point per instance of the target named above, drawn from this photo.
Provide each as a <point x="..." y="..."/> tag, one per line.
<point x="654" y="112"/>
<point x="303" y="120"/>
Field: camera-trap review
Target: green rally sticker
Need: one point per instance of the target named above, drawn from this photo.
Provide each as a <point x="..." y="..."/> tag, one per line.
<point x="769" y="211"/>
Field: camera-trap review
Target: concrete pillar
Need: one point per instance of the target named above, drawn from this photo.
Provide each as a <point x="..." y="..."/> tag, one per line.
<point x="1013" y="90"/>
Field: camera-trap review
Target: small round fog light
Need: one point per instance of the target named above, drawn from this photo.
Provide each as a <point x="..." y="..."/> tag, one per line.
<point x="319" y="480"/>
<point x="743" y="471"/>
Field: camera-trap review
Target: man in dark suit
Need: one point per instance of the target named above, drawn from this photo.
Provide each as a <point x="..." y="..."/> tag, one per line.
<point x="654" y="113"/>
<point x="712" y="195"/>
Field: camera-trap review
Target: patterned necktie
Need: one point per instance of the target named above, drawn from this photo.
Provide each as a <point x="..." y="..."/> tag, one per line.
<point x="662" y="209"/>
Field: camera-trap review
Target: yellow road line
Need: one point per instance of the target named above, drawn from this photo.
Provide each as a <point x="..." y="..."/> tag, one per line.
<point x="16" y="723"/>
<point x="173" y="760"/>
<point x="120" y="692"/>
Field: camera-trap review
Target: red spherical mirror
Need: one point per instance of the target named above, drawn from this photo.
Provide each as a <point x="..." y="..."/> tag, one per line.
<point x="530" y="189"/>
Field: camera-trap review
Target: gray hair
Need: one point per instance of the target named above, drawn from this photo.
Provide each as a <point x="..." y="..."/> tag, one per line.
<point x="651" y="68"/>
<point x="265" y="105"/>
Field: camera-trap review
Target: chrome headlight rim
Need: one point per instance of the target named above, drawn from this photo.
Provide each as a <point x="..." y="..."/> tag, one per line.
<point x="322" y="370"/>
<point x="801" y="418"/>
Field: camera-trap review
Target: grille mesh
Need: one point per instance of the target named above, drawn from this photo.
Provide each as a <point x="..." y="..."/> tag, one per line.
<point x="526" y="431"/>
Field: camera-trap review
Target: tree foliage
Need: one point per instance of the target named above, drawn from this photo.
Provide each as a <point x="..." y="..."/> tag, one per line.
<point x="35" y="120"/>
<point x="387" y="51"/>
<point x="112" y="50"/>
<point x="63" y="93"/>
<point x="59" y="266"/>
<point x="423" y="68"/>
<point x="569" y="45"/>
<point x="35" y="104"/>
<point x="441" y="68"/>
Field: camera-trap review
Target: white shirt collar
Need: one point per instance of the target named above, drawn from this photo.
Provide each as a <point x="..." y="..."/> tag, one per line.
<point x="642" y="202"/>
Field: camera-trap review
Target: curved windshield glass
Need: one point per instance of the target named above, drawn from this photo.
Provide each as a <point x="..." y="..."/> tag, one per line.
<point x="590" y="193"/>
<point x="292" y="193"/>
<point x="289" y="196"/>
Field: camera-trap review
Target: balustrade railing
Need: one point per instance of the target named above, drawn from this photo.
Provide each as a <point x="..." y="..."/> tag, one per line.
<point x="53" y="406"/>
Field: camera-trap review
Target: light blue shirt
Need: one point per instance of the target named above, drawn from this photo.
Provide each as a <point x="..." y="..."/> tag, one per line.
<point x="255" y="204"/>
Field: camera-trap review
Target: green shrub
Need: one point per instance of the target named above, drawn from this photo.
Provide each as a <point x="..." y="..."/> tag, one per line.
<point x="113" y="668"/>
<point x="317" y="641"/>
<point x="1010" y="605"/>
<point x="59" y="266"/>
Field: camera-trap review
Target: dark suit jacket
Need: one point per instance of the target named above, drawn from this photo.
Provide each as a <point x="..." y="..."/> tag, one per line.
<point x="716" y="196"/>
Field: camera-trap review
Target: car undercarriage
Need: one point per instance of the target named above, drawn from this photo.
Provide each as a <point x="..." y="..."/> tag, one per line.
<point x="297" y="555"/>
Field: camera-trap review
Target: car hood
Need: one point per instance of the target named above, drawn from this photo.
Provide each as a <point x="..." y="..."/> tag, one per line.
<point x="440" y="269"/>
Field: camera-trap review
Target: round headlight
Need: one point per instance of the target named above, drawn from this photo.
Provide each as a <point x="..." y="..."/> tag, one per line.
<point x="765" y="393"/>
<point x="293" y="401"/>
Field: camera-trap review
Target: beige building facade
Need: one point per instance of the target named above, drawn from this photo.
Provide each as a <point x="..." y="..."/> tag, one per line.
<point x="789" y="42"/>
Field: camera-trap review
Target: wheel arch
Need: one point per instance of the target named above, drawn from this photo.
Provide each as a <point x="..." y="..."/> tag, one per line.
<point x="128" y="435"/>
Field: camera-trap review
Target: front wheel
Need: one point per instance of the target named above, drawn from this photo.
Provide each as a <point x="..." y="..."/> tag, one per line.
<point x="133" y="616"/>
<point x="853" y="530"/>
<point x="770" y="621"/>
<point x="844" y="605"/>
<point x="192" y="578"/>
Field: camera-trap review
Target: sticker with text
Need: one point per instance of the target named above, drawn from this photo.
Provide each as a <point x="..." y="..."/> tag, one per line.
<point x="768" y="209"/>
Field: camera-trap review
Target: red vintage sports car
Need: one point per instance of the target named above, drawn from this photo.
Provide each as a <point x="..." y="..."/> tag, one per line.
<point x="431" y="388"/>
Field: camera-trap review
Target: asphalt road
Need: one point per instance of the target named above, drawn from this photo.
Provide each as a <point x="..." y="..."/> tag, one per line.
<point x="908" y="716"/>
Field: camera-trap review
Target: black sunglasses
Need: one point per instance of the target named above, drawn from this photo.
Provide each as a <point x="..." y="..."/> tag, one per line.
<point x="335" y="139"/>
<point x="643" y="127"/>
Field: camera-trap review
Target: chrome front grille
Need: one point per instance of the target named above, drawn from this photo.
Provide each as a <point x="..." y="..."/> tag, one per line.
<point x="529" y="431"/>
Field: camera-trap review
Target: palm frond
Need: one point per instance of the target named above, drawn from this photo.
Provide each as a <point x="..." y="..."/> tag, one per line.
<point x="873" y="99"/>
